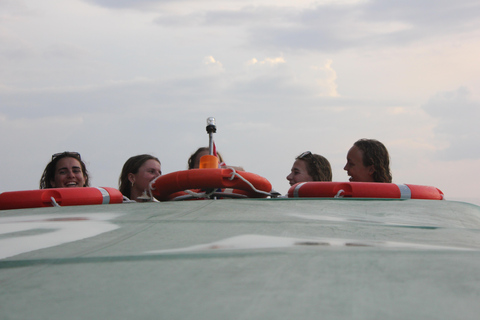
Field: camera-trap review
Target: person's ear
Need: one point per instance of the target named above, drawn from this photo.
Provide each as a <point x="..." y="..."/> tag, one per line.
<point x="52" y="183"/>
<point x="131" y="178"/>
<point x="371" y="170"/>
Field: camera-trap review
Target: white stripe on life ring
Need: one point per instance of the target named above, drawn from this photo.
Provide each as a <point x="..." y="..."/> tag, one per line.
<point x="405" y="192"/>
<point x="297" y="189"/>
<point x="105" y="195"/>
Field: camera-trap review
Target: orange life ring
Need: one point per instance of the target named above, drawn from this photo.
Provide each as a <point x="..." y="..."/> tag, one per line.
<point x="326" y="189"/>
<point x="170" y="185"/>
<point x="61" y="196"/>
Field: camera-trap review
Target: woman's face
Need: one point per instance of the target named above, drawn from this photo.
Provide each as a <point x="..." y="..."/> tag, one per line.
<point x="299" y="173"/>
<point x="68" y="174"/>
<point x="355" y="168"/>
<point x="146" y="173"/>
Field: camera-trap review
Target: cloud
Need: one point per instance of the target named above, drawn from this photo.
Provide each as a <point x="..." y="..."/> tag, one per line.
<point x="128" y="4"/>
<point x="326" y="26"/>
<point x="316" y="81"/>
<point x="327" y="83"/>
<point x="259" y="15"/>
<point x="14" y="49"/>
<point x="72" y="100"/>
<point x="234" y="16"/>
<point x="332" y="27"/>
<point x="427" y="15"/>
<point x="214" y="65"/>
<point x="457" y="117"/>
<point x="266" y="61"/>
<point x="12" y="9"/>
<point x="65" y="51"/>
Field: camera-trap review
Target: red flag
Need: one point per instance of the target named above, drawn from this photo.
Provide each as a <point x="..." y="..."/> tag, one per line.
<point x="220" y="164"/>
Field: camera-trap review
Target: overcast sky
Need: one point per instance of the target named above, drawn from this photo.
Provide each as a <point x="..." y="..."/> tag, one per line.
<point x="116" y="78"/>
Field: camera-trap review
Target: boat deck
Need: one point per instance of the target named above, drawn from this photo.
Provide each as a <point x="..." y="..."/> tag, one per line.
<point x="242" y="259"/>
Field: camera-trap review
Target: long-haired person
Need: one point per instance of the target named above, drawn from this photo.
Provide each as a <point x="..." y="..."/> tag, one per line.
<point x="310" y="167"/>
<point x="65" y="170"/>
<point x="368" y="161"/>
<point x="137" y="173"/>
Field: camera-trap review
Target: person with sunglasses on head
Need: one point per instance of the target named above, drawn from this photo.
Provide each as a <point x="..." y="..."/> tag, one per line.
<point x="368" y="161"/>
<point x="310" y="167"/>
<point x="65" y="170"/>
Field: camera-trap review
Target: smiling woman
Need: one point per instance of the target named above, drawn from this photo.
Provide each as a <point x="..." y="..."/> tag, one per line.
<point x="65" y="170"/>
<point x="368" y="161"/>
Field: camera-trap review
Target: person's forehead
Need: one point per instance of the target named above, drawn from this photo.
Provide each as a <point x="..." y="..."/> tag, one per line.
<point x="202" y="153"/>
<point x="300" y="164"/>
<point x="354" y="152"/>
<point x="151" y="163"/>
<point x="68" y="162"/>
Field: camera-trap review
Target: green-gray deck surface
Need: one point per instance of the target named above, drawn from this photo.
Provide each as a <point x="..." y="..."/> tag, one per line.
<point x="242" y="259"/>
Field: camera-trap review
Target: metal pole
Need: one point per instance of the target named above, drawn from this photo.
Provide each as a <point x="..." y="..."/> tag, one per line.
<point x="211" y="129"/>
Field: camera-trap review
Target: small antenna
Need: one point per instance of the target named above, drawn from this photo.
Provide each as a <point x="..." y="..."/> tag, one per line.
<point x="211" y="129"/>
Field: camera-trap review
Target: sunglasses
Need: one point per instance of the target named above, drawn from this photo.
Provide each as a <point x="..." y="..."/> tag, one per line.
<point x="308" y="156"/>
<point x="67" y="154"/>
<point x="305" y="155"/>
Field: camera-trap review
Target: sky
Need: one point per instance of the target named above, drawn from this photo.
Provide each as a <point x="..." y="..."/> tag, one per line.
<point x="111" y="79"/>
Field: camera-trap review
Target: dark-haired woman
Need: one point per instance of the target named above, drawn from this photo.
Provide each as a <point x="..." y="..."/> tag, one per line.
<point x="137" y="173"/>
<point x="65" y="170"/>
<point x="368" y="161"/>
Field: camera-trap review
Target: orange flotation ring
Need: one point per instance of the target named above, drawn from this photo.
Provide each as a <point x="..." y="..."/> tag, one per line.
<point x="321" y="189"/>
<point x="172" y="185"/>
<point x="59" y="196"/>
